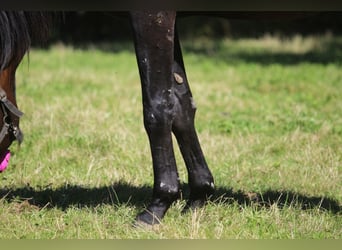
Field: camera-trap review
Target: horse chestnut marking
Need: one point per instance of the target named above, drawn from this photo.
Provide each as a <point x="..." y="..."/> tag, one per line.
<point x="178" y="78"/>
<point x="5" y="160"/>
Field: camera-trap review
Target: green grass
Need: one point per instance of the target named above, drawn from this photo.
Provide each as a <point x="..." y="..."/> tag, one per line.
<point x="269" y="118"/>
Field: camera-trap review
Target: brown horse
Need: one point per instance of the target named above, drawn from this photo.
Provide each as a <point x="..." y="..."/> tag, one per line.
<point x="168" y="105"/>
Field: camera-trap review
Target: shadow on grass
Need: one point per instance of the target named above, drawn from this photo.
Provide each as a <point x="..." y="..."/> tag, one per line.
<point x="279" y="198"/>
<point x="138" y="196"/>
<point x="330" y="52"/>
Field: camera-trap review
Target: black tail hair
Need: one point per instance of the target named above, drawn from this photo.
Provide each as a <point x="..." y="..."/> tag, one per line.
<point x="17" y="31"/>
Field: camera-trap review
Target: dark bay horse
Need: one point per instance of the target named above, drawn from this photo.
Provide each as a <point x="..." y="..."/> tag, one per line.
<point x="168" y="105"/>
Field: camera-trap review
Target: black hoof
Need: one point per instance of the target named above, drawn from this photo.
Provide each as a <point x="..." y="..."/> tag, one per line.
<point x="154" y="213"/>
<point x="199" y="197"/>
<point x="147" y="218"/>
<point x="193" y="204"/>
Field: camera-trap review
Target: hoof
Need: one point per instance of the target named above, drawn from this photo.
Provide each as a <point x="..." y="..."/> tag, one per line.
<point x="154" y="213"/>
<point x="146" y="219"/>
<point x="194" y="204"/>
<point x="199" y="198"/>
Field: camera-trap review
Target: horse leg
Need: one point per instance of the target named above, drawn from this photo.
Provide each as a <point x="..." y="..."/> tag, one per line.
<point x="154" y="45"/>
<point x="200" y="179"/>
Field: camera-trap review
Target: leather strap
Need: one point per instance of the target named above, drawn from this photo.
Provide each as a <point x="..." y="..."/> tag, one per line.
<point x="8" y="126"/>
<point x="11" y="107"/>
<point x="4" y="131"/>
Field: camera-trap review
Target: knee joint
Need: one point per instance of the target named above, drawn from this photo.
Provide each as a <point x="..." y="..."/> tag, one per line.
<point x="159" y="116"/>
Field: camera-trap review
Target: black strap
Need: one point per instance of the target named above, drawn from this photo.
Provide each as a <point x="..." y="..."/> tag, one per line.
<point x="4" y="131"/>
<point x="11" y="107"/>
<point x="8" y="126"/>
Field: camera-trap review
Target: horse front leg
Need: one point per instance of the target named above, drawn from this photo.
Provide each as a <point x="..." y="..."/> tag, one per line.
<point x="200" y="179"/>
<point x="154" y="45"/>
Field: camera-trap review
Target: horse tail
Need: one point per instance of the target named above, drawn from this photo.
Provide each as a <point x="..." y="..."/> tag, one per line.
<point x="18" y="29"/>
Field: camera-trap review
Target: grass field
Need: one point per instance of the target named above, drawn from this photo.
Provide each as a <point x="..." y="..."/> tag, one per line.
<point x="269" y="119"/>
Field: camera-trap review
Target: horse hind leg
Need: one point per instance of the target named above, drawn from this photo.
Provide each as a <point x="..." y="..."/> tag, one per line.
<point x="200" y="179"/>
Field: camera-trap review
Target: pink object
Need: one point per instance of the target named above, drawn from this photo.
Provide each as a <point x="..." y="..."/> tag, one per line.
<point x="4" y="160"/>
